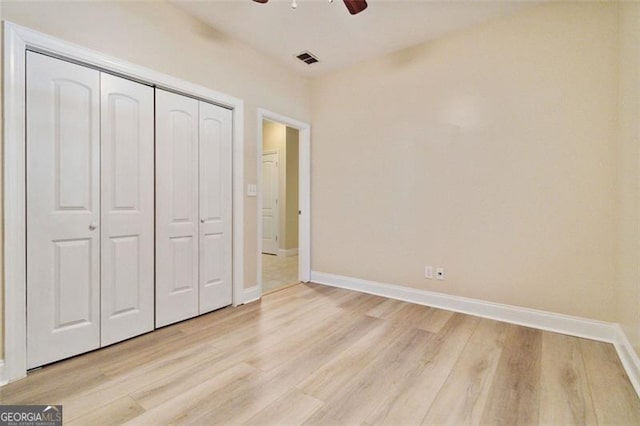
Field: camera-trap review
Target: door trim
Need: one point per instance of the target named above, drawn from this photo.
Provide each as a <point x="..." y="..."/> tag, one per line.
<point x="304" y="193"/>
<point x="17" y="40"/>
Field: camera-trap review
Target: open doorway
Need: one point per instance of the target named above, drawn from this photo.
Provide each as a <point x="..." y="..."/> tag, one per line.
<point x="290" y="258"/>
<point x="280" y="206"/>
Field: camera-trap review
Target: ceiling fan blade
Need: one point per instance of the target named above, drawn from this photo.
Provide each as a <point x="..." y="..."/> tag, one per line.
<point x="261" y="1"/>
<point x="355" y="6"/>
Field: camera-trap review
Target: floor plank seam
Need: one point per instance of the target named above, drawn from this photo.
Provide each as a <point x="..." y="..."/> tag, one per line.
<point x="316" y="355"/>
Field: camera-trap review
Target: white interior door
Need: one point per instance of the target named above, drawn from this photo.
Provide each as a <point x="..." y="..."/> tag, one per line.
<point x="127" y="237"/>
<point x="215" y="207"/>
<point x="270" y="203"/>
<point x="63" y="209"/>
<point x="176" y="207"/>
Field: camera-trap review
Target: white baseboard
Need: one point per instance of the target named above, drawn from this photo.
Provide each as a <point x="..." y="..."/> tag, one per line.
<point x="628" y="357"/>
<point x="288" y="252"/>
<point x="251" y="294"/>
<point x="549" y="321"/>
<point x="574" y="326"/>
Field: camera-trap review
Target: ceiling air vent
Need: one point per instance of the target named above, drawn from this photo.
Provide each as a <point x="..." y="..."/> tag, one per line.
<point x="307" y="58"/>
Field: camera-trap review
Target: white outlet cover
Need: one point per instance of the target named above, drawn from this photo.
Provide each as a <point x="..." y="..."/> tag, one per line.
<point x="252" y="190"/>
<point x="440" y="273"/>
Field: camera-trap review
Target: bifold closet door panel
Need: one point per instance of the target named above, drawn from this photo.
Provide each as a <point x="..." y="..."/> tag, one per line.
<point x="63" y="209"/>
<point x="215" y="207"/>
<point x="176" y="207"/>
<point x="127" y="236"/>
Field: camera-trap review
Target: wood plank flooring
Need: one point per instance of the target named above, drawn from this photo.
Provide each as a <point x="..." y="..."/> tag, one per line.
<point x="311" y="354"/>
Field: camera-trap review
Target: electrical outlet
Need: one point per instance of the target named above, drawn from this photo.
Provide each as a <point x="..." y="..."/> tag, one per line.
<point x="428" y="272"/>
<point x="440" y="273"/>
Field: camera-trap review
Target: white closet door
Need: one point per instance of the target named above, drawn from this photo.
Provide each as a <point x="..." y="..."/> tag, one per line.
<point x="63" y="209"/>
<point x="127" y="269"/>
<point x="176" y="207"/>
<point x="215" y="207"/>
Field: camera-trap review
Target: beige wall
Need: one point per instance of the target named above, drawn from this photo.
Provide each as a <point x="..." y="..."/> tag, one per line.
<point x="629" y="173"/>
<point x="490" y="152"/>
<point x="274" y="136"/>
<point x="162" y="37"/>
<point x="291" y="207"/>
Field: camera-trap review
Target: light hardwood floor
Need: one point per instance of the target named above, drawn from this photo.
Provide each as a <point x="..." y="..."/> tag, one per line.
<point x="278" y="272"/>
<point x="320" y="355"/>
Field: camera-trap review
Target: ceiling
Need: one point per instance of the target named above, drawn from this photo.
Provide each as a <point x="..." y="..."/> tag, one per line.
<point x="337" y="38"/>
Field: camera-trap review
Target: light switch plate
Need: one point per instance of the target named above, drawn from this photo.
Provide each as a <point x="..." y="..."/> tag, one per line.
<point x="428" y="272"/>
<point x="252" y="190"/>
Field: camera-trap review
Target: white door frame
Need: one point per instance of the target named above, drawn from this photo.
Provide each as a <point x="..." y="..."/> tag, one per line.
<point x="304" y="193"/>
<point x="277" y="208"/>
<point x="17" y="40"/>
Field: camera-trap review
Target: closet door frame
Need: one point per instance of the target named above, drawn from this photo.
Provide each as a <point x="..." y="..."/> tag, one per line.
<point x="17" y="41"/>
